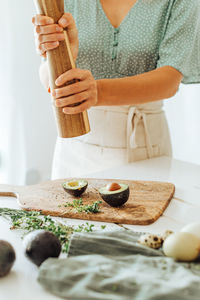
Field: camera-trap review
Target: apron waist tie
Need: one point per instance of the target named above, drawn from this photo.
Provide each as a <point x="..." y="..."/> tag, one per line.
<point x="134" y="116"/>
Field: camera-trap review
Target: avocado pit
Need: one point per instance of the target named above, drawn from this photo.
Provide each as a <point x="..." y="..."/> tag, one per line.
<point x="113" y="186"/>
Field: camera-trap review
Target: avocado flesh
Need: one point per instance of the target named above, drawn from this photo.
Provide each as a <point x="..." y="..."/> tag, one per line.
<point x="104" y="190"/>
<point x="115" y="198"/>
<point x="7" y="257"/>
<point x="75" y="184"/>
<point x="75" y="188"/>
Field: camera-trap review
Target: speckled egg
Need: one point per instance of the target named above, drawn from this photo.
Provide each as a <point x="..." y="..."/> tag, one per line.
<point x="151" y="240"/>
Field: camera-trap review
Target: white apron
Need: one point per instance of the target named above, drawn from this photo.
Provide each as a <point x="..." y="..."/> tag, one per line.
<point x="119" y="134"/>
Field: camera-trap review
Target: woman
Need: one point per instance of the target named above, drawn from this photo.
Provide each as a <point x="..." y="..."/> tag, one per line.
<point x="130" y="55"/>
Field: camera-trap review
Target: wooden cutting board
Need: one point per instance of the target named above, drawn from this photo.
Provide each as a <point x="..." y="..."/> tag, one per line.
<point x="147" y="200"/>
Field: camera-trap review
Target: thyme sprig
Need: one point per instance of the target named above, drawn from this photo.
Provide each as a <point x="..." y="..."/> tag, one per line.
<point x="31" y="220"/>
<point x="78" y="205"/>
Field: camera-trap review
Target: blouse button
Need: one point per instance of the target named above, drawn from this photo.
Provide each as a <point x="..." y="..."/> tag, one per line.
<point x="113" y="56"/>
<point x="116" y="30"/>
<point x="115" y="43"/>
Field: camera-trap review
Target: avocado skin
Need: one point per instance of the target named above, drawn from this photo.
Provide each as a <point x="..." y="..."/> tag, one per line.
<point x="117" y="199"/>
<point x="40" y="245"/>
<point x="75" y="193"/>
<point x="7" y="257"/>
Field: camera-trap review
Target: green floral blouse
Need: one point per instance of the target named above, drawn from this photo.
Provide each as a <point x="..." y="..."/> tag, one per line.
<point x="155" y="33"/>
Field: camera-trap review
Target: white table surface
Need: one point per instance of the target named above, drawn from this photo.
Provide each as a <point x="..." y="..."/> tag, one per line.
<point x="184" y="208"/>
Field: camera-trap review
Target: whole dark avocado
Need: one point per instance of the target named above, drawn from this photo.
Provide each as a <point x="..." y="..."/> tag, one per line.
<point x="115" y="194"/>
<point x="40" y="245"/>
<point x="75" y="187"/>
<point x="7" y="257"/>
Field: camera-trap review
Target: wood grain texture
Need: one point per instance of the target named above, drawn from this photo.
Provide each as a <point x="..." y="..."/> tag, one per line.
<point x="60" y="60"/>
<point x="146" y="203"/>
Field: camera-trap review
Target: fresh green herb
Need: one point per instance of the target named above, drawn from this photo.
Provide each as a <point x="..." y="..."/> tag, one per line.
<point x="78" y="205"/>
<point x="32" y="220"/>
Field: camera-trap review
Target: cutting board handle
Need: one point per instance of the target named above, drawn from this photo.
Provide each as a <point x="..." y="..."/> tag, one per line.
<point x="8" y="190"/>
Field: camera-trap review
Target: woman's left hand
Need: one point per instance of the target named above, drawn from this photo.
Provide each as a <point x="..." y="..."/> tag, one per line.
<point x="84" y="91"/>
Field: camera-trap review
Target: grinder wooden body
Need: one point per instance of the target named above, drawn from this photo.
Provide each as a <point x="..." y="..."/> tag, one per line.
<point x="60" y="60"/>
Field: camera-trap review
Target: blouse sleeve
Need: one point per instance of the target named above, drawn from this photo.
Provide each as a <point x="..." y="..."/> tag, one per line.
<point x="180" y="46"/>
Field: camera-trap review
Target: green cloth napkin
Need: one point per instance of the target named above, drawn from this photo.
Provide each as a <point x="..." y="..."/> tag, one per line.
<point x="112" y="265"/>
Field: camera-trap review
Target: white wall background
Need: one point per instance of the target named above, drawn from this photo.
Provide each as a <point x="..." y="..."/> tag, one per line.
<point x="27" y="127"/>
<point x="183" y="114"/>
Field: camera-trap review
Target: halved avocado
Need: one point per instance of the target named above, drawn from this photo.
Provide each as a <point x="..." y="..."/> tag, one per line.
<point x="115" y="194"/>
<point x="75" y="187"/>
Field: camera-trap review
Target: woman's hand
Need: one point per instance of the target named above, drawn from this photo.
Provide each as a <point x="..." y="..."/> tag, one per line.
<point x="84" y="91"/>
<point x="48" y="35"/>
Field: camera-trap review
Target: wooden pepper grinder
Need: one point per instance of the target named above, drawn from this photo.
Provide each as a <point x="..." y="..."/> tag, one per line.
<point x="60" y="60"/>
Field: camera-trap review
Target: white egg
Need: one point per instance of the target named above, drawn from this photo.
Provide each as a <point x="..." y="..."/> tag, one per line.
<point x="182" y="246"/>
<point x="193" y="228"/>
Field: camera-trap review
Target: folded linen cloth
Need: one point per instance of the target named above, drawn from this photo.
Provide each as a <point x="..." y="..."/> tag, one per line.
<point x="113" y="266"/>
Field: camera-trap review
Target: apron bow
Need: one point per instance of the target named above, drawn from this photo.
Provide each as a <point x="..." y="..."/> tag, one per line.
<point x="134" y="116"/>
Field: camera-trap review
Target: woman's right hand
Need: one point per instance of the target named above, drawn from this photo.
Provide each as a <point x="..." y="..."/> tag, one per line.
<point x="48" y="34"/>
